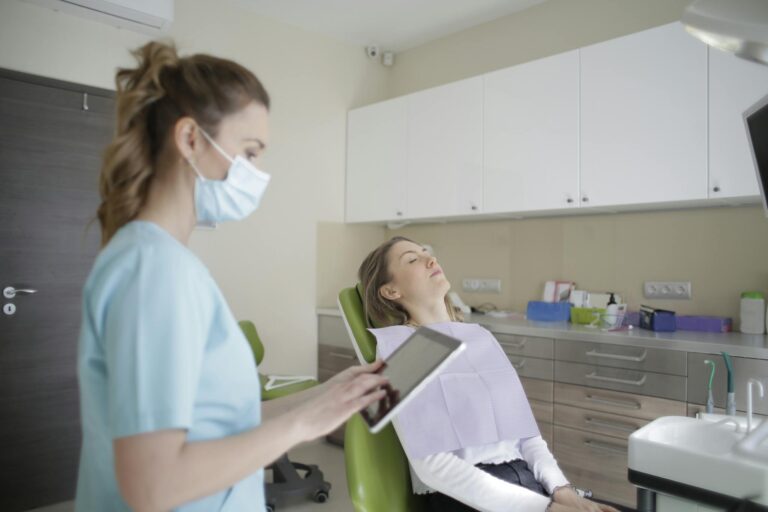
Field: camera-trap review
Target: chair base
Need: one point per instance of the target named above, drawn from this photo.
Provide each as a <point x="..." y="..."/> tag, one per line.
<point x="288" y="484"/>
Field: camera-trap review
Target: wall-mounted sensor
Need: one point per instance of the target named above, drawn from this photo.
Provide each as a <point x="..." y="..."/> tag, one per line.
<point x="372" y="51"/>
<point x="388" y="58"/>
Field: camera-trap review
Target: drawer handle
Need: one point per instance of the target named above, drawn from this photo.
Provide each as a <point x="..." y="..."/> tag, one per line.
<point x="595" y="376"/>
<point x="627" y="404"/>
<point x="515" y="346"/>
<point x="518" y="366"/>
<point x="341" y="355"/>
<point x="616" y="425"/>
<point x="605" y="447"/>
<point x="636" y="359"/>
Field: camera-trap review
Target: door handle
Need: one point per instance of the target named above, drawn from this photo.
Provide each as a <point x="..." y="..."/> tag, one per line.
<point x="10" y="292"/>
<point x="595" y="376"/>
<point x="636" y="359"/>
<point x="605" y="447"/>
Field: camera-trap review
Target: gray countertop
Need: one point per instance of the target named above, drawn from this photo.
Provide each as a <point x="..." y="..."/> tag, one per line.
<point x="736" y="344"/>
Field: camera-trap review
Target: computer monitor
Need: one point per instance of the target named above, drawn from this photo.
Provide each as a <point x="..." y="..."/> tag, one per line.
<point x="756" y="120"/>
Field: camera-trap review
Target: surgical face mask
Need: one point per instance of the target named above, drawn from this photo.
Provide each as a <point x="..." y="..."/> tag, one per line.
<point x="233" y="198"/>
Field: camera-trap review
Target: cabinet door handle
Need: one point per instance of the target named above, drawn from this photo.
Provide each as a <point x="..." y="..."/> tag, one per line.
<point x="595" y="376"/>
<point x="515" y="346"/>
<point x="341" y="355"/>
<point x="519" y="365"/>
<point x="605" y="447"/>
<point x="636" y="359"/>
<point x="615" y="425"/>
<point x="627" y="404"/>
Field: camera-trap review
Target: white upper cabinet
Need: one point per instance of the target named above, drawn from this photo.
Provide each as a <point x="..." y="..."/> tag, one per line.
<point x="444" y="150"/>
<point x="531" y="136"/>
<point x="734" y="85"/>
<point x="644" y="119"/>
<point x="376" y="162"/>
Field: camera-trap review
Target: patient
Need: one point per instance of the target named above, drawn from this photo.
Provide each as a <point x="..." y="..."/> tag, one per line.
<point x="470" y="436"/>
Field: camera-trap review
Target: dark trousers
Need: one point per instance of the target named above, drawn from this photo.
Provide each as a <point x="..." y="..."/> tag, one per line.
<point x="514" y="472"/>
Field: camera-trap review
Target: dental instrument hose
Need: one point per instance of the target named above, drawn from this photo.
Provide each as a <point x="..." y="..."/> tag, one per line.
<point x="730" y="402"/>
<point x="710" y="401"/>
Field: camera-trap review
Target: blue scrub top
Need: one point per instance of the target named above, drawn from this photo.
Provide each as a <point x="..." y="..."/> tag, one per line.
<point x="160" y="349"/>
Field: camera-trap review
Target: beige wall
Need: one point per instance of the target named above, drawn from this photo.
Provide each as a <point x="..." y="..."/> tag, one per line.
<point x="266" y="266"/>
<point x="552" y="27"/>
<point x="720" y="250"/>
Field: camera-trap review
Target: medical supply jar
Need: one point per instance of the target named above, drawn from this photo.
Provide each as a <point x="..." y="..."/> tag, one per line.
<point x="753" y="313"/>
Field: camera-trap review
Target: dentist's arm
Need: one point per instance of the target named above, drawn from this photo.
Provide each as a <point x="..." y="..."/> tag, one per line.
<point x="275" y="407"/>
<point x="161" y="470"/>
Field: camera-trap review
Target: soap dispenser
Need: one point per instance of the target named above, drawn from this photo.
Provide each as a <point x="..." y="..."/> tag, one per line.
<point x="612" y="311"/>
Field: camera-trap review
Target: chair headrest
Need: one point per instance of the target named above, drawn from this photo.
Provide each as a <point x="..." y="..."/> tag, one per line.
<point x="350" y="300"/>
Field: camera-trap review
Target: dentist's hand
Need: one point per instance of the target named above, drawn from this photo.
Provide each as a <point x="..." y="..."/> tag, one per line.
<point x="341" y="397"/>
<point x="353" y="371"/>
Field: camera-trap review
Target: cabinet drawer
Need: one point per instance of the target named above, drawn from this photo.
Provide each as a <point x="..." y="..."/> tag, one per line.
<point x="533" y="367"/>
<point x="332" y="331"/>
<point x="547" y="433"/>
<point x="621" y="356"/>
<point x="542" y="411"/>
<point x="621" y="379"/>
<point x="335" y="359"/>
<point x="596" y="462"/>
<point x="533" y="346"/>
<point x="537" y="389"/>
<point x="605" y="423"/>
<point x="624" y="404"/>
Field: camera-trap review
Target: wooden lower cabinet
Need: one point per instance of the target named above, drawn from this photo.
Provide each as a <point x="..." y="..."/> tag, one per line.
<point x="591" y="431"/>
<point x="333" y="359"/>
<point x="539" y="393"/>
<point x="595" y="462"/>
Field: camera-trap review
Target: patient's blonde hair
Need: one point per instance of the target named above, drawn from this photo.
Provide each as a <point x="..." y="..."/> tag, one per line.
<point x="373" y="274"/>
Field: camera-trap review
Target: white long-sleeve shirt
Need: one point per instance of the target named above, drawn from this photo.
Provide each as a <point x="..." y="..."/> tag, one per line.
<point x="454" y="474"/>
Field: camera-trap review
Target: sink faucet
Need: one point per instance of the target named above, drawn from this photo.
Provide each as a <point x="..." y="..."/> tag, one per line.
<point x="761" y="390"/>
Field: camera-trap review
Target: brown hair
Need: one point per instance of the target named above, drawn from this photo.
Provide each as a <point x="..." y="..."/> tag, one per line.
<point x="151" y="98"/>
<point x="373" y="274"/>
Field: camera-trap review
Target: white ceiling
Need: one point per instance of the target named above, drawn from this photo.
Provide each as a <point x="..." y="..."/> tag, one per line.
<point x="393" y="25"/>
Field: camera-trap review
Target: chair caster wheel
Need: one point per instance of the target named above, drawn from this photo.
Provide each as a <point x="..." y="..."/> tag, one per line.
<point x="321" y="496"/>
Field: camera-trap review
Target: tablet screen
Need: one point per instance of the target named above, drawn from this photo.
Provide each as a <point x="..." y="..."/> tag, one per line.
<point x="409" y="368"/>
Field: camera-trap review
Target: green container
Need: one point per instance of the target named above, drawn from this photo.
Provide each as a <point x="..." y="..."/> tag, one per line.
<point x="586" y="316"/>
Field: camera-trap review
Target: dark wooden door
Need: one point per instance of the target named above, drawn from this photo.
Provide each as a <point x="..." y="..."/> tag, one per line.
<point x="51" y="140"/>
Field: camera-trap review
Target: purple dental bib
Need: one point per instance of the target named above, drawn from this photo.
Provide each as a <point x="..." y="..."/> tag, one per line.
<point x="476" y="400"/>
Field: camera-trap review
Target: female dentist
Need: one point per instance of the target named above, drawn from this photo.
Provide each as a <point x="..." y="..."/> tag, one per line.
<point x="170" y="401"/>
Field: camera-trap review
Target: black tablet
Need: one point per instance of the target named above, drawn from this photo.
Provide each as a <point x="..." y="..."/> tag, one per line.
<point x="409" y="368"/>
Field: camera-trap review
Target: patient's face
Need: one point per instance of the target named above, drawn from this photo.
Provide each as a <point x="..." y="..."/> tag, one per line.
<point x="416" y="274"/>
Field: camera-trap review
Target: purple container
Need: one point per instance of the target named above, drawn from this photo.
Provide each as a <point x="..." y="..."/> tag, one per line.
<point x="659" y="320"/>
<point x="704" y="323"/>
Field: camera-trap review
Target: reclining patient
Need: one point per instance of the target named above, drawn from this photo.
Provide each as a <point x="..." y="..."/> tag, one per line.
<point x="470" y="436"/>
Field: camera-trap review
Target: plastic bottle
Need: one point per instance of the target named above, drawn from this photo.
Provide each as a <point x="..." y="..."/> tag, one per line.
<point x="753" y="313"/>
<point x="611" y="312"/>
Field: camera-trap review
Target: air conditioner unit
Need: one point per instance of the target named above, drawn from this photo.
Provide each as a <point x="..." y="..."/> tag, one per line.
<point x="147" y="16"/>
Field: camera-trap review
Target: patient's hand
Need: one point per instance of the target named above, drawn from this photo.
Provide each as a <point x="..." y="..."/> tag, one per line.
<point x="573" y="502"/>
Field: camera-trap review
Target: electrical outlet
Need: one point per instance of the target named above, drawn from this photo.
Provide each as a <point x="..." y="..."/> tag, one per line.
<point x="667" y="290"/>
<point x="482" y="285"/>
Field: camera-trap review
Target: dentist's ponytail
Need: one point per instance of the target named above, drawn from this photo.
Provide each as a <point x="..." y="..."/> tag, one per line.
<point x="150" y="99"/>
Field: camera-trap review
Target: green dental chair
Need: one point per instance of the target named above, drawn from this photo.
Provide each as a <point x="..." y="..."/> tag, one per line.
<point x="378" y="477"/>
<point x="287" y="482"/>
